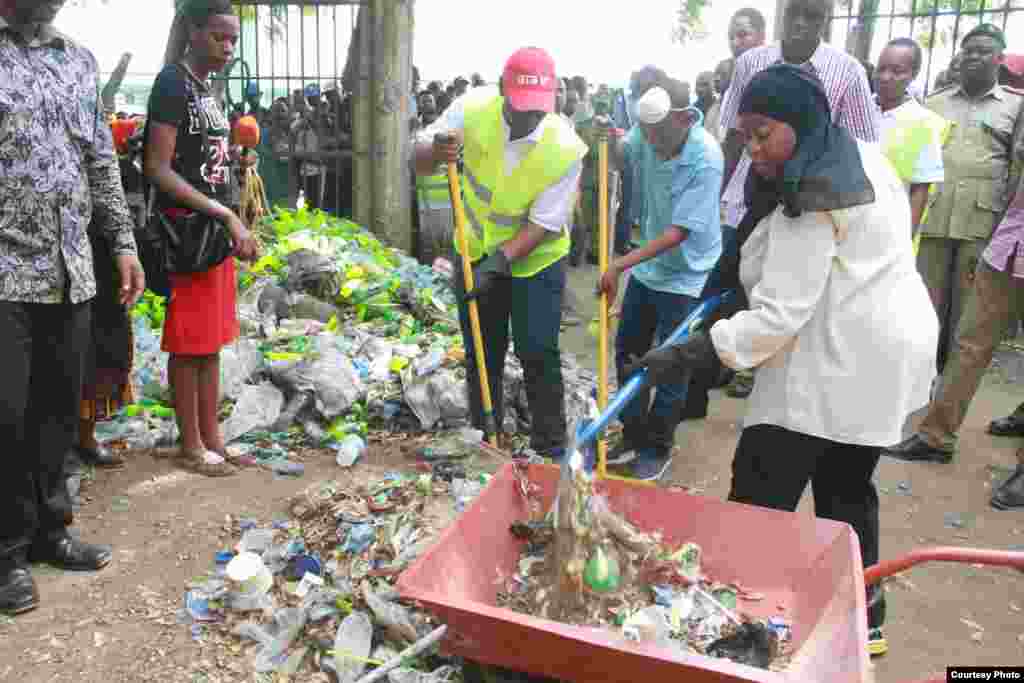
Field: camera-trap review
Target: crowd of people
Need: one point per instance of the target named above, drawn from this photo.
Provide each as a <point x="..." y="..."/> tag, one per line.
<point x="870" y="239"/>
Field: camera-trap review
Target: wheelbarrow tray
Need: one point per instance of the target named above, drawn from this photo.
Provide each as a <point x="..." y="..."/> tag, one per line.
<point x="808" y="569"/>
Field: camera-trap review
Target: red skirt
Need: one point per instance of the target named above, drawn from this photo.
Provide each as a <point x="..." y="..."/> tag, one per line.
<point x="201" y="314"/>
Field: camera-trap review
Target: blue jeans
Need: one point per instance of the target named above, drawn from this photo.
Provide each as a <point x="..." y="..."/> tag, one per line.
<point x="648" y="318"/>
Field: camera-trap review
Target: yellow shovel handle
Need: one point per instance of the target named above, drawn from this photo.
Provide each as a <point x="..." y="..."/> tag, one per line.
<point x="474" y="313"/>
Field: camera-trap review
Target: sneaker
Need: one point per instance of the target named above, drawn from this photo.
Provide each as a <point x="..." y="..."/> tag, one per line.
<point x="877" y="644"/>
<point x="650" y="467"/>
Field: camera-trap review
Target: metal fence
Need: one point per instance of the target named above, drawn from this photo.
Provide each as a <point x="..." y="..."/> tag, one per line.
<point x="286" y="47"/>
<point x="865" y="26"/>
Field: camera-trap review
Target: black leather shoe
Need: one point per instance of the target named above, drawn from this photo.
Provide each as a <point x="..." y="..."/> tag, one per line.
<point x="1010" y="493"/>
<point x="99" y="457"/>
<point x="1012" y="425"/>
<point x="72" y="554"/>
<point x="916" y="449"/>
<point x="18" y="592"/>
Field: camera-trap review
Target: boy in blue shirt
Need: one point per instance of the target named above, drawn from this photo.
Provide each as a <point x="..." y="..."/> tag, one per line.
<point x="677" y="167"/>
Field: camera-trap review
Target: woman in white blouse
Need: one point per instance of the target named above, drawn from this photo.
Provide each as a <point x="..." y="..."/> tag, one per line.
<point x="836" y="317"/>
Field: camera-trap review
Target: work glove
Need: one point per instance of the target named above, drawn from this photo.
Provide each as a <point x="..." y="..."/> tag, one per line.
<point x="488" y="273"/>
<point x="667" y="364"/>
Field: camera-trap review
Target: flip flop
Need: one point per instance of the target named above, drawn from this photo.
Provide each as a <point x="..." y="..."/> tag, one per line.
<point x="206" y="463"/>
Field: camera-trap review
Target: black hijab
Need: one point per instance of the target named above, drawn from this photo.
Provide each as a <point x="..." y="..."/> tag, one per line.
<point x="825" y="173"/>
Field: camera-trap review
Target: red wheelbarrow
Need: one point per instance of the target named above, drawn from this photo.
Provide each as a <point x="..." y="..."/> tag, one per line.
<point x="807" y="569"/>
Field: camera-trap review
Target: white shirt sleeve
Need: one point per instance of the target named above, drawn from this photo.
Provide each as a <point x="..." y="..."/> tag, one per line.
<point x="553" y="207"/>
<point x="929" y="167"/>
<point x="796" y="269"/>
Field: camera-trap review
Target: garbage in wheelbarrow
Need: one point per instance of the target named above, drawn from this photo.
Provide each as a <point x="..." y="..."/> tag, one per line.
<point x="814" y="578"/>
<point x="807" y="568"/>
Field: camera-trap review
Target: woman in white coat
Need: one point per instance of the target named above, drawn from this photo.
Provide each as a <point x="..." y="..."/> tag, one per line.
<point x="836" y="317"/>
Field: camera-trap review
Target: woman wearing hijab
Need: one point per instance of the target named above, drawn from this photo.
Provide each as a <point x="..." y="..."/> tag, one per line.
<point x="835" y="318"/>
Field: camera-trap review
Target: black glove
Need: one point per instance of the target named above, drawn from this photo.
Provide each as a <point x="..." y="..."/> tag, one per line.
<point x="488" y="273"/>
<point x="667" y="364"/>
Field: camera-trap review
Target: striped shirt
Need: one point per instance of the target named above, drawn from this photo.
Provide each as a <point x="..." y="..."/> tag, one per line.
<point x="1005" y="251"/>
<point x="846" y="86"/>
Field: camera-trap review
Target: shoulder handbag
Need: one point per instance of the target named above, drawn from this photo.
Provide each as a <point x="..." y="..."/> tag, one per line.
<point x="193" y="241"/>
<point x="149" y="241"/>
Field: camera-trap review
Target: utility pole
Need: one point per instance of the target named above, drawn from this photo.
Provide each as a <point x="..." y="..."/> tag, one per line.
<point x="389" y="27"/>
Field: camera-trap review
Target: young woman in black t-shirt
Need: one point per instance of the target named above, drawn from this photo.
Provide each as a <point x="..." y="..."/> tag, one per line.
<point x="190" y="168"/>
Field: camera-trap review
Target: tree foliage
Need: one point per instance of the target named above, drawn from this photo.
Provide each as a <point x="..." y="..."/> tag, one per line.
<point x="688" y="25"/>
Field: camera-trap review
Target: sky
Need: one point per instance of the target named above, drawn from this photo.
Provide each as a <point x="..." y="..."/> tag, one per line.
<point x="456" y="37"/>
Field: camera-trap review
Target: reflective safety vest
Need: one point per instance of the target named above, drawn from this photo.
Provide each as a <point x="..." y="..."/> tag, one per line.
<point x="498" y="205"/>
<point x="432" y="191"/>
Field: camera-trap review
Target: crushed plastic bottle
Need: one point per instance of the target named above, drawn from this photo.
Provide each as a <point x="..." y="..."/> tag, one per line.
<point x="349" y="450"/>
<point x="352" y="645"/>
<point x="256" y="541"/>
<point x="287" y="468"/>
<point x="464" y="491"/>
<point x="359" y="538"/>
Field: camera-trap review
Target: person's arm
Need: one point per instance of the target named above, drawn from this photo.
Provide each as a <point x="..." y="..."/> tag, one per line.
<point x="550" y="213"/>
<point x="796" y="269"/>
<point x="106" y="193"/>
<point x="109" y="207"/>
<point x="918" y="203"/>
<point x="732" y="144"/>
<point x="428" y="151"/>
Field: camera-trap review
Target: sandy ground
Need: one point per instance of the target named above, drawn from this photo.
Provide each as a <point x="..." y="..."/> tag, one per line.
<point x="166" y="525"/>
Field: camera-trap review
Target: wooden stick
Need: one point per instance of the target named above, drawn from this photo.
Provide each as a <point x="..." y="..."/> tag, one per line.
<point x="424" y="643"/>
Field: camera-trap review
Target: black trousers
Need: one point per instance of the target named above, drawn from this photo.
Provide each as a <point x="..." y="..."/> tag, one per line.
<point x="533" y="307"/>
<point x="42" y="354"/>
<point x="773" y="466"/>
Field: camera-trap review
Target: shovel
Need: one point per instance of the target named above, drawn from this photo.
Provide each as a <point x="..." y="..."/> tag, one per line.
<point x="490" y="427"/>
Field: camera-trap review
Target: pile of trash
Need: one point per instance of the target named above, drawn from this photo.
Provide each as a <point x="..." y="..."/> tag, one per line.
<point x="312" y="597"/>
<point x="587" y="565"/>
<point x="339" y="333"/>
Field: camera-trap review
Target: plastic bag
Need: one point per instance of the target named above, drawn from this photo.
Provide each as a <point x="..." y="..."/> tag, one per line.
<point x="149" y="363"/>
<point x="441" y="395"/>
<point x="276" y="640"/>
<point x="238" y="363"/>
<point x="331" y="378"/>
<point x="258" y="407"/>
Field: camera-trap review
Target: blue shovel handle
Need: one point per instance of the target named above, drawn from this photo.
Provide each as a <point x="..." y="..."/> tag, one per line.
<point x="629" y="390"/>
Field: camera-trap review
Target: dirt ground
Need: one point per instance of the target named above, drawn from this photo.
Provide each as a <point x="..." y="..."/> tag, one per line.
<point x="120" y="625"/>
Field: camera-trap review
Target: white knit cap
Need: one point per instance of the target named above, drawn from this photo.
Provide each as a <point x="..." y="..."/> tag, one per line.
<point x="654" y="106"/>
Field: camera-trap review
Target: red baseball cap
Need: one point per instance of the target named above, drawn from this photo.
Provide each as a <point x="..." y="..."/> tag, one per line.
<point x="529" y="81"/>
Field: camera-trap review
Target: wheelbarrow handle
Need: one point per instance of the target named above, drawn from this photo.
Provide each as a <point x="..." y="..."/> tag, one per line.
<point x="630" y="389"/>
<point x="991" y="558"/>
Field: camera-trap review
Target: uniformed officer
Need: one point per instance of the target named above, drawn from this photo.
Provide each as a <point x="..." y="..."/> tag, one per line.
<point x="977" y="165"/>
<point x="985" y="142"/>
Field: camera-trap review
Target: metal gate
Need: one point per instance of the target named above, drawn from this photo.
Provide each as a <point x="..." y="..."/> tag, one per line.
<point x="294" y="54"/>
<point x="865" y="26"/>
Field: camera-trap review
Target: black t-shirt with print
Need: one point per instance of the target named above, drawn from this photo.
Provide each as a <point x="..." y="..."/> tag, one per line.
<point x="178" y="100"/>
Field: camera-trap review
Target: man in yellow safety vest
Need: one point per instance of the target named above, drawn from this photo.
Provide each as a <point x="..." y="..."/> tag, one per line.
<point x="521" y="169"/>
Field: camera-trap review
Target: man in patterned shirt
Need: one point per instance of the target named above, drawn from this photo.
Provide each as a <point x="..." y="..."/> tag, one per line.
<point x="58" y="170"/>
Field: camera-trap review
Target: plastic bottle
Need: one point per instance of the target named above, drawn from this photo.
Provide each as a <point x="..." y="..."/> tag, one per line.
<point x="349" y="450"/>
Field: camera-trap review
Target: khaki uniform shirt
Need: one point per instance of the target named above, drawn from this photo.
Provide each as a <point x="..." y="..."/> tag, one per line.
<point x="977" y="160"/>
